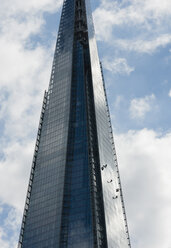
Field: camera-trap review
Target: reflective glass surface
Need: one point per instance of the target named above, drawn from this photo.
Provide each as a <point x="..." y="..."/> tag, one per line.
<point x="75" y="197"/>
<point x="77" y="225"/>
<point x="43" y="219"/>
<point x="116" y="226"/>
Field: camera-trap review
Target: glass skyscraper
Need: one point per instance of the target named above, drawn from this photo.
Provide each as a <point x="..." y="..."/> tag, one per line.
<point x="74" y="197"/>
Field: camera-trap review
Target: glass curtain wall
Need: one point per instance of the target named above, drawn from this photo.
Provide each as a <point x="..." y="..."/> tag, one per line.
<point x="74" y="197"/>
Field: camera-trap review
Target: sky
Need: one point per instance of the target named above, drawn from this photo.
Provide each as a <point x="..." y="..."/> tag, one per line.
<point x="134" y="43"/>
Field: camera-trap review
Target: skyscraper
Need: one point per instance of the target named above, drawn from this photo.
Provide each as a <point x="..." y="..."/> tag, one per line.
<point x="74" y="196"/>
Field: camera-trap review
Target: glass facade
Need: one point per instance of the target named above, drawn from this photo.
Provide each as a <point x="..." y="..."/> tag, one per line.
<point x="76" y="217"/>
<point x="116" y="224"/>
<point x="74" y="196"/>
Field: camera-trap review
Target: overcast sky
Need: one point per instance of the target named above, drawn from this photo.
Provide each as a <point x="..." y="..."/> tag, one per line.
<point x="134" y="41"/>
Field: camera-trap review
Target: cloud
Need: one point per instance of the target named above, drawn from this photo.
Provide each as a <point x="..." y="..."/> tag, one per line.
<point x="140" y="106"/>
<point x="139" y="26"/>
<point x="145" y="46"/>
<point x="9" y="227"/>
<point x="118" y="101"/>
<point x="1" y="210"/>
<point x="24" y="77"/>
<point x="118" y="66"/>
<point x="169" y="93"/>
<point x="14" y="172"/>
<point x="3" y="243"/>
<point x="24" y="72"/>
<point x="13" y="8"/>
<point x="144" y="160"/>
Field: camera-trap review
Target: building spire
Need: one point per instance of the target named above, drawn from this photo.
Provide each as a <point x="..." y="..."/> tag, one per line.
<point x="74" y="196"/>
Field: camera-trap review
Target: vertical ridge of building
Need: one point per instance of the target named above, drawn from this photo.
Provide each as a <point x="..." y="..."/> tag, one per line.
<point x="115" y="159"/>
<point x="74" y="196"/>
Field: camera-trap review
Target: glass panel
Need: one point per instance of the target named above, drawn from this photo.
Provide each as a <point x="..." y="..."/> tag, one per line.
<point x="77" y="228"/>
<point x="113" y="201"/>
<point x="43" y="221"/>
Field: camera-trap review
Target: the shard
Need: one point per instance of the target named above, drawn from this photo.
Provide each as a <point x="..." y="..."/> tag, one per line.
<point x="74" y="197"/>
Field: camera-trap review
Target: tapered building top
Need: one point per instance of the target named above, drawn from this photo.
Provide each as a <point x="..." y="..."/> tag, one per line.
<point x="74" y="197"/>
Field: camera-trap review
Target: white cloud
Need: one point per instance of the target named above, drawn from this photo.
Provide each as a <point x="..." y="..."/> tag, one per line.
<point x="144" y="161"/>
<point x="3" y="243"/>
<point x="24" y="77"/>
<point x="118" y="66"/>
<point x="13" y="219"/>
<point x="24" y="73"/>
<point x="140" y="106"/>
<point x="118" y="101"/>
<point x="9" y="228"/>
<point x="169" y="93"/>
<point x="1" y="210"/>
<point x="145" y="46"/>
<point x="137" y="25"/>
<point x="11" y="8"/>
<point x="14" y="172"/>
